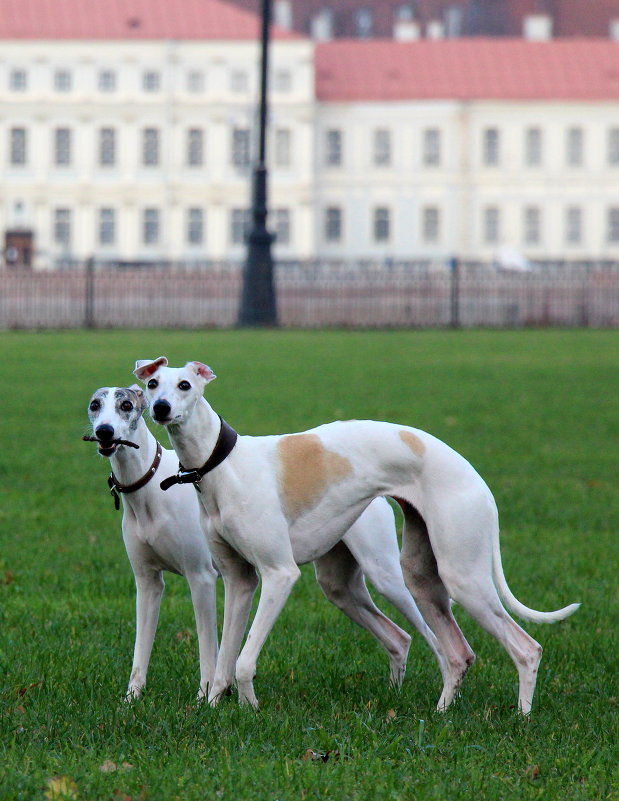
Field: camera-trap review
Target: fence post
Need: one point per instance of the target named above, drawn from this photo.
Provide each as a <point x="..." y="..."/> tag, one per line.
<point x="454" y="268"/>
<point x="89" y="297"/>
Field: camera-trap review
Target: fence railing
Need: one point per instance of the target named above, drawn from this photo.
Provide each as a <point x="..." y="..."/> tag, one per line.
<point x="316" y="294"/>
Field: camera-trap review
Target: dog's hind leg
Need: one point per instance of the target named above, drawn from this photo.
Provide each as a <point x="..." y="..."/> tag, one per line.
<point x="422" y="578"/>
<point x="149" y="586"/>
<point x="342" y="582"/>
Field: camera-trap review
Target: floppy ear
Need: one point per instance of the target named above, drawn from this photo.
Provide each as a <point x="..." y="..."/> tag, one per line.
<point x="202" y="370"/>
<point x="140" y="396"/>
<point x="144" y="368"/>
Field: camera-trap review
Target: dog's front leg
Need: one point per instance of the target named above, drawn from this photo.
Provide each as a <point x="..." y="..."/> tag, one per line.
<point x="240" y="582"/>
<point x="203" y="596"/>
<point x="149" y="587"/>
<point x="277" y="582"/>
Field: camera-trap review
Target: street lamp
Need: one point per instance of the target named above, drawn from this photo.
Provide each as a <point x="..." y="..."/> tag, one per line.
<point x="258" y="306"/>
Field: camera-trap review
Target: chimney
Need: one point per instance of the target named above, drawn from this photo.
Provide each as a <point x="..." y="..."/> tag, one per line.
<point x="322" y="25"/>
<point x="435" y="29"/>
<point x="282" y="14"/>
<point x="613" y="30"/>
<point x="406" y="30"/>
<point x="537" y="28"/>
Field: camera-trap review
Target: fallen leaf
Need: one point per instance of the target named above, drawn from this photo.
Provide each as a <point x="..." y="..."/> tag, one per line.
<point x="391" y="715"/>
<point x="532" y="772"/>
<point x="184" y="636"/>
<point x="61" y="788"/>
<point x="8" y="577"/>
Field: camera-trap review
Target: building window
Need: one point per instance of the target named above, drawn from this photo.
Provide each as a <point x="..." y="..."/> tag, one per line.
<point x="533" y="147"/>
<point x="382" y="147"/>
<point x="613" y="146"/>
<point x="107" y="81"/>
<point x="532" y="225"/>
<point x="491" y="147"/>
<point x="195" y="147"/>
<point x="151" y="81"/>
<point x="281" y="224"/>
<point x="364" y="23"/>
<point x="574" y="147"/>
<point x="492" y="221"/>
<point x="150" y="226"/>
<point x="107" y="147"/>
<point x="240" y="147"/>
<point x="239" y="225"/>
<point x="195" y="226"/>
<point x="573" y="225"/>
<point x="62" y="147"/>
<point x="430" y="224"/>
<point x="239" y="81"/>
<point x="333" y="224"/>
<point x="19" y="147"/>
<point x="62" y="227"/>
<point x="382" y="224"/>
<point x="62" y="80"/>
<point x="283" y="138"/>
<point x="195" y="81"/>
<point x="107" y="226"/>
<point x="613" y="226"/>
<point x="282" y="81"/>
<point x="150" y="147"/>
<point x="333" y="148"/>
<point x="431" y="147"/>
<point x="18" y="80"/>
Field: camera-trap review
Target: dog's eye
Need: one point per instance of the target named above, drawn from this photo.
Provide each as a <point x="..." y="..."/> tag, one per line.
<point x="184" y="385"/>
<point x="126" y="406"/>
<point x="95" y="405"/>
<point x="153" y="383"/>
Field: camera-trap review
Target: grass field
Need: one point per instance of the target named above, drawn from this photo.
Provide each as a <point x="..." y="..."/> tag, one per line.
<point x="534" y="411"/>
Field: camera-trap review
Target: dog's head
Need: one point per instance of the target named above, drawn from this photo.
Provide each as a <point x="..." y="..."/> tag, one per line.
<point x="115" y="413"/>
<point x="172" y="392"/>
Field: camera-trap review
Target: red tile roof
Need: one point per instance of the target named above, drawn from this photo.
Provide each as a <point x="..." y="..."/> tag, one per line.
<point x="463" y="69"/>
<point x="128" y="19"/>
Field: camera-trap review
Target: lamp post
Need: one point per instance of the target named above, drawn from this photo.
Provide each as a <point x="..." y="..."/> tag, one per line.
<point x="258" y="305"/>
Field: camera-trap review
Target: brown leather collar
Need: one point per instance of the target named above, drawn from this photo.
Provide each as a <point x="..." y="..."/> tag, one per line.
<point x="223" y="447"/>
<point x="116" y="487"/>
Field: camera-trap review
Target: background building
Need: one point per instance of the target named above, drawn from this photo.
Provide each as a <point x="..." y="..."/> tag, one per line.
<point x="366" y="19"/>
<point x="126" y="130"/>
<point x="126" y="133"/>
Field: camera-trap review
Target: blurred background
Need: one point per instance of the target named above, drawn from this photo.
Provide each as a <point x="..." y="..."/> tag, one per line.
<point x="431" y="162"/>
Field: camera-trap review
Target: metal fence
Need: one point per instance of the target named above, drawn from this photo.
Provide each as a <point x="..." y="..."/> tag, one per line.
<point x="315" y="295"/>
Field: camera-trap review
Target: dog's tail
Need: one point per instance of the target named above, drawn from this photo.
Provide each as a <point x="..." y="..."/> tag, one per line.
<point x="513" y="603"/>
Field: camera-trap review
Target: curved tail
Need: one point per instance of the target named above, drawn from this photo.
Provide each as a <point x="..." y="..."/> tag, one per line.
<point x="513" y="603"/>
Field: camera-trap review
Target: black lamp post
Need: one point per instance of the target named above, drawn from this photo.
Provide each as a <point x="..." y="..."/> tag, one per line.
<point x="258" y="306"/>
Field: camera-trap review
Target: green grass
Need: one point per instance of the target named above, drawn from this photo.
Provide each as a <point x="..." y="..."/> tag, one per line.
<point x="535" y="412"/>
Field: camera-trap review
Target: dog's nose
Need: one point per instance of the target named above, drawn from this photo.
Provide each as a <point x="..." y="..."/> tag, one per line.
<point x="104" y="432"/>
<point x="161" y="410"/>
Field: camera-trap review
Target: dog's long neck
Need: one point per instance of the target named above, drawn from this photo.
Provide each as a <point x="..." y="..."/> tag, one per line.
<point x="195" y="438"/>
<point x="130" y="464"/>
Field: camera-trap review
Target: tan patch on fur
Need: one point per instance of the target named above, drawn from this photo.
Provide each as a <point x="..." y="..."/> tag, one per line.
<point x="413" y="442"/>
<point x="306" y="470"/>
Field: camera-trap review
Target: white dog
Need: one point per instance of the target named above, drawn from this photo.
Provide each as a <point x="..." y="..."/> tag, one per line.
<point x="162" y="531"/>
<point x="275" y="502"/>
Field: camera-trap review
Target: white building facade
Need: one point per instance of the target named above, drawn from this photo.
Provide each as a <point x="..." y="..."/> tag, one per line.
<point x="139" y="149"/>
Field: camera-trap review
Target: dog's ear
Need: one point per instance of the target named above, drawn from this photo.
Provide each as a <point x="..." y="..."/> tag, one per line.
<point x="140" y="396"/>
<point x="144" y="368"/>
<point x="202" y="370"/>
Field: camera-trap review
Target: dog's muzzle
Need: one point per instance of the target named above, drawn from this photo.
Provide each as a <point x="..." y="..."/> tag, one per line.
<point x="161" y="411"/>
<point x="105" y="436"/>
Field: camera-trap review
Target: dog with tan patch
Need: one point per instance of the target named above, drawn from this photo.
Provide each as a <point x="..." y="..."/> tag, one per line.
<point x="274" y="502"/>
